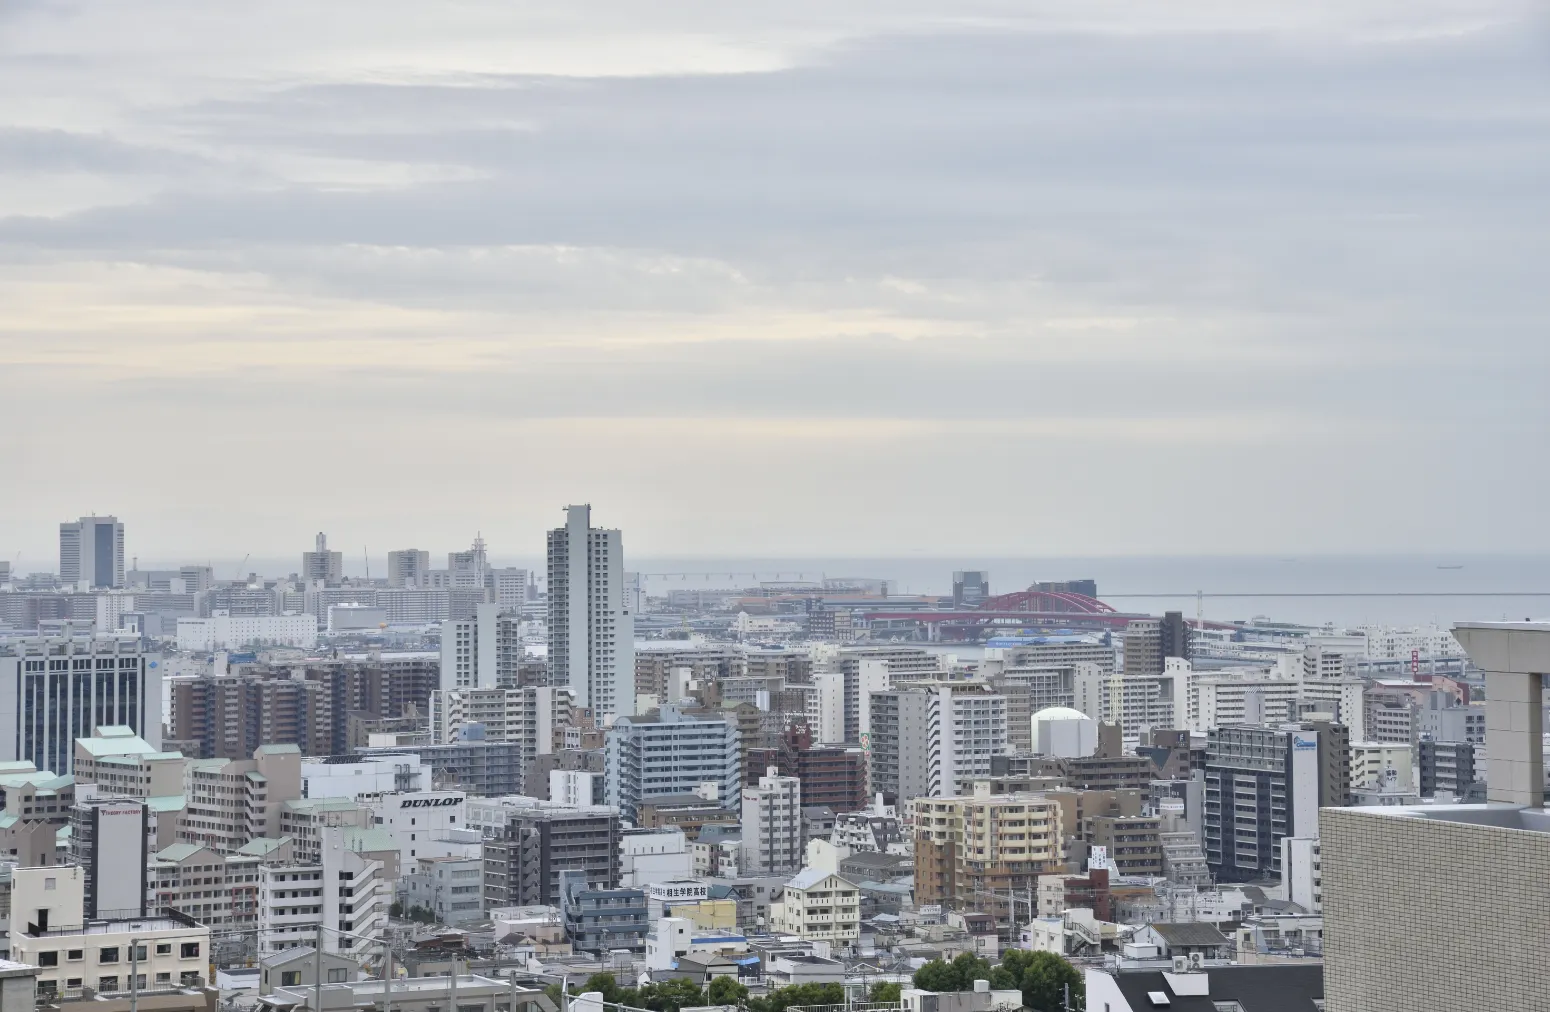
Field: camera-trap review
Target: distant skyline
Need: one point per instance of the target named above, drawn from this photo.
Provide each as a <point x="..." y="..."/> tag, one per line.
<point x="874" y="279"/>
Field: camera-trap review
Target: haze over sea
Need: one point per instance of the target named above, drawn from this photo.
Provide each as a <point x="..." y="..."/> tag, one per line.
<point x="1257" y="577"/>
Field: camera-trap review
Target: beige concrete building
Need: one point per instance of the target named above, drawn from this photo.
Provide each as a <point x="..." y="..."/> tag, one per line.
<point x="1446" y="906"/>
<point x="968" y="849"/>
<point x="232" y="801"/>
<point x="819" y="906"/>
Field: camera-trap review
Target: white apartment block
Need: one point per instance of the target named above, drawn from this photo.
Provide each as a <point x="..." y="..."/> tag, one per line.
<point x="342" y="891"/>
<point x="591" y="633"/>
<point x="1370" y="758"/>
<point x="1389" y="644"/>
<point x="362" y="778"/>
<point x="222" y="631"/>
<point x="1240" y="696"/>
<point x="73" y="953"/>
<point x="965" y="726"/>
<point x="528" y="715"/>
<point x="418" y="822"/>
<point x="772" y="825"/>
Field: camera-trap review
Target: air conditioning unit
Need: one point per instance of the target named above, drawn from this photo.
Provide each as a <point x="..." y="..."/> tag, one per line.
<point x="1197" y="960"/>
<point x="1180" y="964"/>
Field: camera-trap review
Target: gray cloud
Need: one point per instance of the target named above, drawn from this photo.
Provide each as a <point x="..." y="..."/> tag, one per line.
<point x="1295" y="235"/>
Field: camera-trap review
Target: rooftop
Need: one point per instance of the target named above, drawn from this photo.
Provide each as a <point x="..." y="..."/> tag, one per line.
<point x="1498" y="814"/>
<point x="1265" y="988"/>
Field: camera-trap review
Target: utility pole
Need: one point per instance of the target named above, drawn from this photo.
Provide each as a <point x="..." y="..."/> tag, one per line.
<point x="318" y="966"/>
<point x="452" y="997"/>
<point x="387" y="976"/>
<point x="134" y="957"/>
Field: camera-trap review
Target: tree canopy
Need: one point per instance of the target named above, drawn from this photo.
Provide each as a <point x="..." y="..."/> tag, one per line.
<point x="959" y="975"/>
<point x="798" y="994"/>
<point x="1041" y="977"/>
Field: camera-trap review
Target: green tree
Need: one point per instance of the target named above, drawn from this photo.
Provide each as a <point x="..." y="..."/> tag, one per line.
<point x="798" y="994"/>
<point x="959" y="975"/>
<point x="885" y="990"/>
<point x="1041" y="977"/>
<point x="396" y="910"/>
<point x="669" y="995"/>
<point x="725" y="990"/>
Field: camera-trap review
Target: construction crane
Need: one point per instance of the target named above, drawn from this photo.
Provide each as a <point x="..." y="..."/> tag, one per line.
<point x="367" y="558"/>
<point x="243" y="565"/>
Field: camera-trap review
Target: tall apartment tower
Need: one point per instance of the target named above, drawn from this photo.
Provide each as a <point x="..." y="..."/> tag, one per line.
<point x="321" y="564"/>
<point x="409" y="567"/>
<point x="91" y="553"/>
<point x="772" y="825"/>
<point x="591" y="633"/>
<point x="1175" y="634"/>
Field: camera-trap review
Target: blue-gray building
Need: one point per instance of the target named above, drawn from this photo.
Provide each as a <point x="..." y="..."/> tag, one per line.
<point x="672" y="751"/>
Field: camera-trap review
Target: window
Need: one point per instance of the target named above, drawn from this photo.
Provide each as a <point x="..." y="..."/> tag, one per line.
<point x="139" y="953"/>
<point x="290" y="978"/>
<point x="164" y="978"/>
<point x="48" y="958"/>
<point x="75" y="954"/>
<point x="107" y="984"/>
<point x="337" y="975"/>
<point x="50" y="884"/>
<point x="190" y="950"/>
<point x="108" y="954"/>
<point x="72" y="982"/>
<point x="164" y="948"/>
<point x="188" y="976"/>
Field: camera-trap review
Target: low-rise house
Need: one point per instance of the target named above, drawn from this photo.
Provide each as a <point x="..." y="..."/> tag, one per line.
<point x="298" y="967"/>
<point x="1187" y="939"/>
<point x="819" y="906"/>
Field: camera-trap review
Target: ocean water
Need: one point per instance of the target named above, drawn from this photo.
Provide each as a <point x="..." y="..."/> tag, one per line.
<point x="1404" y="590"/>
<point x="1314" y="589"/>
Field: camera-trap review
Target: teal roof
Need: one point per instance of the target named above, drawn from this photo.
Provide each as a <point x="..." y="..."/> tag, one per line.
<point x="321" y="804"/>
<point x="115" y="731"/>
<point x="16" y="766"/>
<point x="279" y="749"/>
<point x="262" y="845"/>
<point x="167" y="803"/>
<point x="7" y="820"/>
<point x="178" y="852"/>
<point x="369" y="840"/>
<point x="115" y="744"/>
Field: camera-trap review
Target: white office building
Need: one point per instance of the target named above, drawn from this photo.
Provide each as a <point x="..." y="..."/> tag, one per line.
<point x="510" y="585"/>
<point x="222" y="631"/>
<point x="408" y="567"/>
<point x="91" y="553"/>
<point x="362" y="778"/>
<point x="55" y="689"/>
<point x="591" y="633"/>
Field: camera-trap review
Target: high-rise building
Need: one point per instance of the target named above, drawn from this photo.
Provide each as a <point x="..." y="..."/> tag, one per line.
<point x="897" y="744"/>
<point x="322" y="566"/>
<point x="1443" y="906"/>
<point x="772" y="826"/>
<point x="970" y="588"/>
<point x="965" y="726"/>
<point x="591" y="634"/>
<point x="540" y="840"/>
<point x="233" y="801"/>
<point x="528" y="715"/>
<point x="870" y="669"/>
<point x="511" y="586"/>
<point x="470" y="648"/>
<point x="673" y="752"/>
<point x="91" y="553"/>
<point x="1087" y="588"/>
<point x="228" y="716"/>
<point x="408" y="567"/>
<point x="1264" y="783"/>
<point x="1175" y="633"/>
<point x="1143" y="648"/>
<point x="970" y="850"/>
<point x="468" y="569"/>
<point x="55" y="689"/>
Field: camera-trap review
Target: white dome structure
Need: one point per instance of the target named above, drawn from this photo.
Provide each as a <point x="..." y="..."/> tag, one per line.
<point x="1064" y="732"/>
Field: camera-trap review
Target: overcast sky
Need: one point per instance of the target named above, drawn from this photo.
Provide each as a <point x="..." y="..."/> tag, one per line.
<point x="762" y="278"/>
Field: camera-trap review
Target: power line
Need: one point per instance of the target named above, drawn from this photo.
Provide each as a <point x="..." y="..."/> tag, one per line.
<point x="1347" y="593"/>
